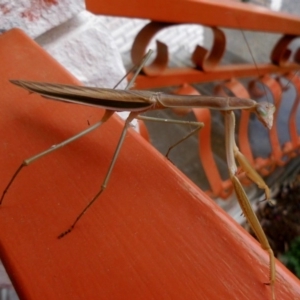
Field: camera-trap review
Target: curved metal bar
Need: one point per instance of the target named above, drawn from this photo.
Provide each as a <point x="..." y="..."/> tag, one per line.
<point x="140" y="44"/>
<point x="297" y="56"/>
<point x="281" y="53"/>
<point x="220" y="188"/>
<point x="207" y="62"/>
<point x="292" y="148"/>
<point x="276" y="91"/>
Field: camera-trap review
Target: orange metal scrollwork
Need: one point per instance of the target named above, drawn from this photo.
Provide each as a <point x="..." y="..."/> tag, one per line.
<point x="208" y="62"/>
<point x="297" y="56"/>
<point x="292" y="148"/>
<point x="281" y="53"/>
<point x="203" y="59"/>
<point x="276" y="91"/>
<point x="140" y="44"/>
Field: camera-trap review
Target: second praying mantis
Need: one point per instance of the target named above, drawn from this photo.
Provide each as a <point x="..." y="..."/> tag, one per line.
<point x="137" y="102"/>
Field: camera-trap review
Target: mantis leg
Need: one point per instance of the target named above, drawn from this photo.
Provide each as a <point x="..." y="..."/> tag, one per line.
<point x="53" y="148"/>
<point x="232" y="153"/>
<point x="198" y="125"/>
<point x="107" y="115"/>
<point x="133" y="115"/>
<point x="107" y="176"/>
<point x="252" y="174"/>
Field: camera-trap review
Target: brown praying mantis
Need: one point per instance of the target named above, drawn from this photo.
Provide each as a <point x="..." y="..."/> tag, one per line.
<point x="137" y="102"/>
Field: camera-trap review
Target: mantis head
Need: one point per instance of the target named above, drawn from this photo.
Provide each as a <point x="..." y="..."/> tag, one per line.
<point x="265" y="112"/>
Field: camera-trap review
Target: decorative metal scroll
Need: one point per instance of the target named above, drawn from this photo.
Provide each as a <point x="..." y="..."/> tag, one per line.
<point x="292" y="148"/>
<point x="207" y="68"/>
<point x="207" y="62"/>
<point x="281" y="53"/>
<point x="140" y="44"/>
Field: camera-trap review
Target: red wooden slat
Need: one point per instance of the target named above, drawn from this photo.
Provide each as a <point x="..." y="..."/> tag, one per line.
<point x="231" y="14"/>
<point x="151" y="235"/>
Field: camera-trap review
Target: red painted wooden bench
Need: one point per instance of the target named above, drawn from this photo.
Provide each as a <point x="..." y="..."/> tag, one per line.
<point x="152" y="234"/>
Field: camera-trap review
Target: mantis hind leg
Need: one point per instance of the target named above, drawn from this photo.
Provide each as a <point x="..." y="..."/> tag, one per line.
<point x="198" y="126"/>
<point x="53" y="148"/>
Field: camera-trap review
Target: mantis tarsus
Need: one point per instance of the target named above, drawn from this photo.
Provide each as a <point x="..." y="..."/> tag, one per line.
<point x="137" y="102"/>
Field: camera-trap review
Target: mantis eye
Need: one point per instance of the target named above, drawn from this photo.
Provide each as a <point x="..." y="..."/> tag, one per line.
<point x="261" y="111"/>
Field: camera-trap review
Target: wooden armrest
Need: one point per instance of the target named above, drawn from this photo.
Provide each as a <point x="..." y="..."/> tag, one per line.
<point x="151" y="235"/>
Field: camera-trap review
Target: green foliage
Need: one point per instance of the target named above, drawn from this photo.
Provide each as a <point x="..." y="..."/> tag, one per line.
<point x="292" y="257"/>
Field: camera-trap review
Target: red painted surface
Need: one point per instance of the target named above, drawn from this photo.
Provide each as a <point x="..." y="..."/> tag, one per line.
<point x="151" y="235"/>
<point x="231" y="14"/>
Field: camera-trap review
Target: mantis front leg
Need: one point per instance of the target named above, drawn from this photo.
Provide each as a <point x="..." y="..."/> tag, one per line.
<point x="232" y="153"/>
